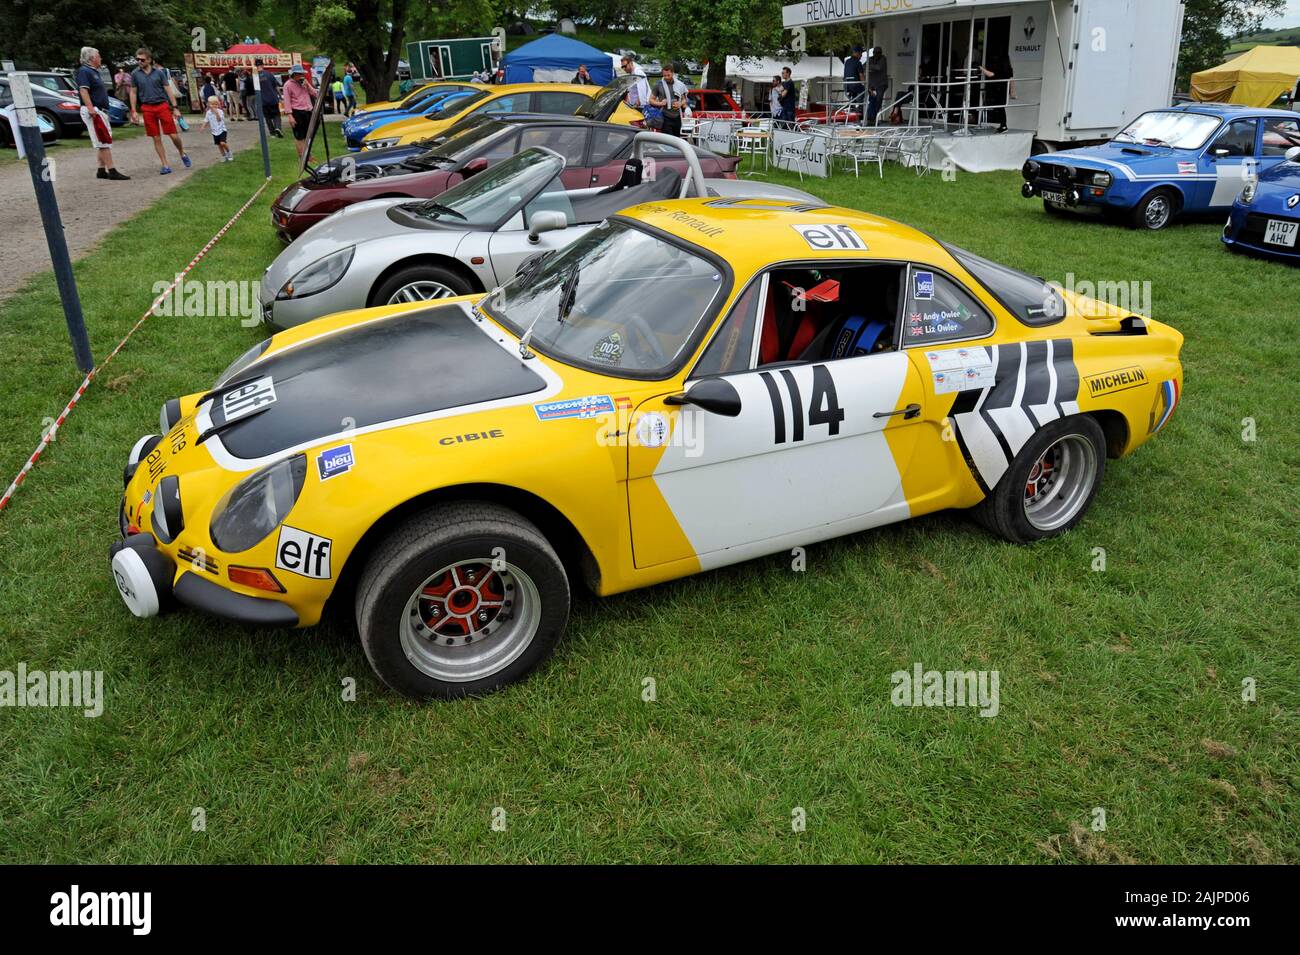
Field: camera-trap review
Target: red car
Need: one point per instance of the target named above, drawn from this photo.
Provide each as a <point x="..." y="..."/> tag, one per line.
<point x="714" y="104"/>
<point x="593" y="152"/>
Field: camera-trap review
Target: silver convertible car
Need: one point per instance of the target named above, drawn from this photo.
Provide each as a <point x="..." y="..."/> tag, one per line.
<point x="471" y="238"/>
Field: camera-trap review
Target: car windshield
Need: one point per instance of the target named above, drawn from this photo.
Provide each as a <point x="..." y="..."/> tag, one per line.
<point x="490" y="197"/>
<point x="635" y="301"/>
<point x="603" y="104"/>
<point x="1029" y="298"/>
<point x="454" y="104"/>
<point x="1170" y="128"/>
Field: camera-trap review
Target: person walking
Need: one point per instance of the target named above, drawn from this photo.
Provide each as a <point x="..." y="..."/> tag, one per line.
<point x="877" y="83"/>
<point x="789" y="96"/>
<point x="853" y="74"/>
<point x="215" y="120"/>
<point x="340" y="103"/>
<point x="230" y="94"/>
<point x="152" y="95"/>
<point x="247" y="93"/>
<point x="94" y="113"/>
<point x="298" y="101"/>
<point x="270" y="98"/>
<point x="350" y="92"/>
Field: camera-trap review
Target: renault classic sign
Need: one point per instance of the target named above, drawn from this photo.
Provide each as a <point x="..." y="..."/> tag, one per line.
<point x="815" y="12"/>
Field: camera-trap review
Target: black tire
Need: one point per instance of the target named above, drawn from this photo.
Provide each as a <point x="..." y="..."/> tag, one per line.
<point x="62" y="128"/>
<point x="1144" y="215"/>
<point x="442" y="275"/>
<point x="1004" y="511"/>
<point x="438" y="538"/>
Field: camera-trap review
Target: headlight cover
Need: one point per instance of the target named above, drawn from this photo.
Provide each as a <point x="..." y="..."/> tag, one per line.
<point x="1248" y="193"/>
<point x="317" y="277"/>
<point x="247" y="514"/>
<point x="380" y="143"/>
<point x="242" y="362"/>
<point x="1102" y="179"/>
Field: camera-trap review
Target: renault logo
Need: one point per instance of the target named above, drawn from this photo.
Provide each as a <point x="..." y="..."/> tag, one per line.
<point x="1293" y="201"/>
<point x="1030" y="28"/>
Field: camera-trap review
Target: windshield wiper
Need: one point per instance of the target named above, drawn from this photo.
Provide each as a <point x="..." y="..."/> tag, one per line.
<point x="568" y="291"/>
<point x="439" y="209"/>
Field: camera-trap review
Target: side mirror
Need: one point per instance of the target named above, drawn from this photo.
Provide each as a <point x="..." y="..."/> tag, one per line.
<point x="473" y="167"/>
<point x="548" y="220"/>
<point x="1293" y="154"/>
<point x="714" y="395"/>
<point x="1223" y="152"/>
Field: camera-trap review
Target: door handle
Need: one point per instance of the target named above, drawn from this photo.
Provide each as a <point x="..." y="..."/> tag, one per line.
<point x="908" y="413"/>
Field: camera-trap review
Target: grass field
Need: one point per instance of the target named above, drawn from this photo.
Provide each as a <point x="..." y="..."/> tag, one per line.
<point x="1120" y="690"/>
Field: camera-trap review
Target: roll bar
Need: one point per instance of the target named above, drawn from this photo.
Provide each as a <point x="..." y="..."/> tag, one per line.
<point x="694" y="174"/>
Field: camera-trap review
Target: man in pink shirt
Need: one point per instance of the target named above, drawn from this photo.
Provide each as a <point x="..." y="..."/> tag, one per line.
<point x="298" y="100"/>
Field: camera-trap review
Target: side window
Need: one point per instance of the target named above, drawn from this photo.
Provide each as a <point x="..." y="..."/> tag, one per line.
<point x="559" y="104"/>
<point x="1280" y="135"/>
<point x="608" y="142"/>
<point x="515" y="103"/>
<point x="731" y="346"/>
<point x="552" y="198"/>
<point x="569" y="142"/>
<point x="1238" y="139"/>
<point x="940" y="310"/>
<point x="716" y="102"/>
<point x="501" y="148"/>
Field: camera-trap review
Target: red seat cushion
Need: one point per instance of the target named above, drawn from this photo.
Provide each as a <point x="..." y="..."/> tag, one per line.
<point x="769" y="346"/>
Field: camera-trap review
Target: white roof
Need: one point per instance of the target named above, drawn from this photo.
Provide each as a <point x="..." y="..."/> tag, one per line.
<point x="765" y="67"/>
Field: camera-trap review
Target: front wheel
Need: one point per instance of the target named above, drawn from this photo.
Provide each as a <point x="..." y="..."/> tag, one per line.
<point x="461" y="600"/>
<point x="1050" y="484"/>
<point x="420" y="283"/>
<point x="1155" y="211"/>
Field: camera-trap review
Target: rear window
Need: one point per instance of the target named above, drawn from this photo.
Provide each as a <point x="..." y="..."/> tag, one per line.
<point x="1029" y="298"/>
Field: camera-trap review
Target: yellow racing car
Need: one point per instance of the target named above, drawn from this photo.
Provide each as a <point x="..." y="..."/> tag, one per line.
<point x="691" y="384"/>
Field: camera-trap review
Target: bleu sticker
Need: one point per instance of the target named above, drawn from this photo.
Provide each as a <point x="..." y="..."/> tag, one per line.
<point x="923" y="285"/>
<point x="589" y="406"/>
<point x="335" y="461"/>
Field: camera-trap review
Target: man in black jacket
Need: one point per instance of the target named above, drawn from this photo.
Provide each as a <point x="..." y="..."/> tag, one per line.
<point x="853" y="71"/>
<point x="877" y="83"/>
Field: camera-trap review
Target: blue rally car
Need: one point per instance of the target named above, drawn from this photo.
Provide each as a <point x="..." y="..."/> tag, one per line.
<point x="1191" y="159"/>
<point x="1265" y="218"/>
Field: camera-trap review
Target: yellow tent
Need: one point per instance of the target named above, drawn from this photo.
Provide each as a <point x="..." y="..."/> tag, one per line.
<point x="1255" y="78"/>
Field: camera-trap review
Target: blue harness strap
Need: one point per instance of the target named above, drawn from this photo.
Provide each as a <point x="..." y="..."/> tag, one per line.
<point x="857" y="337"/>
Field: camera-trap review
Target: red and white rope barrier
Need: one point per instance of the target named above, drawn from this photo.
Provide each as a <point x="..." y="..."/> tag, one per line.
<point x="53" y="431"/>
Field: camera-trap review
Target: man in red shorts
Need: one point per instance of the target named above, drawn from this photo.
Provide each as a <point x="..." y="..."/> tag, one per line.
<point x="151" y="94"/>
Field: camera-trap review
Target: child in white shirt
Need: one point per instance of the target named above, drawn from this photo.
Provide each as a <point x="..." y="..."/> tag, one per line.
<point x="215" y="119"/>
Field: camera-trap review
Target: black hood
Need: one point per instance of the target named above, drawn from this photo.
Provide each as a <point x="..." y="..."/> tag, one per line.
<point x="410" y="364"/>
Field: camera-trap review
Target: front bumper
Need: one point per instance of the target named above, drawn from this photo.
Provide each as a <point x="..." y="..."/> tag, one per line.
<point x="1245" y="231"/>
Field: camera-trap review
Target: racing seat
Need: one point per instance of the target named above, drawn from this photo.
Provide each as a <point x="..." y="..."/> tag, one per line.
<point x="631" y="177"/>
<point x="850" y="336"/>
<point x="603" y="204"/>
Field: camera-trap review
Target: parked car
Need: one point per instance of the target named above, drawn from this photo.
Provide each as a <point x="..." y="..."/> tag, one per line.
<point x="594" y="154"/>
<point x="603" y="103"/>
<point x="1265" y="219"/>
<point x="713" y="104"/>
<point x="474" y="236"/>
<point x="435" y="98"/>
<point x="692" y="384"/>
<point x="1183" y="161"/>
<point x="49" y="130"/>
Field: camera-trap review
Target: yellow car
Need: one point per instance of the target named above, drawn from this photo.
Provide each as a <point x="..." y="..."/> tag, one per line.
<point x="691" y="384"/>
<point x="604" y="103"/>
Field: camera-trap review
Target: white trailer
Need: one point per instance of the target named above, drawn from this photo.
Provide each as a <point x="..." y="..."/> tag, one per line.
<point x="1083" y="68"/>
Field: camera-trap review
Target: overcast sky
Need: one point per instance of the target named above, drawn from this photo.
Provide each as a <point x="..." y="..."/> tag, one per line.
<point x="1289" y="19"/>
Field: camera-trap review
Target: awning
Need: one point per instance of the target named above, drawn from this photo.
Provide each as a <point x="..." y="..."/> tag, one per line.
<point x="1255" y="78"/>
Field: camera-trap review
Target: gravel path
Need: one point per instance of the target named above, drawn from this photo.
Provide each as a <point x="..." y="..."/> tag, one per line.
<point x="91" y="207"/>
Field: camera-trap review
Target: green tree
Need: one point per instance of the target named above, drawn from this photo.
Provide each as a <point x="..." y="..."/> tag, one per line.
<point x="713" y="29"/>
<point x="1209" y="25"/>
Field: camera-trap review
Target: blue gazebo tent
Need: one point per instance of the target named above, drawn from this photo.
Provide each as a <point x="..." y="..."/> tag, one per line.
<point x="555" y="59"/>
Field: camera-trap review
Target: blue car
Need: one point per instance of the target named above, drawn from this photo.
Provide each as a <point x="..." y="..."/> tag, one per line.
<point x="358" y="127"/>
<point x="1192" y="159"/>
<point x="1265" y="219"/>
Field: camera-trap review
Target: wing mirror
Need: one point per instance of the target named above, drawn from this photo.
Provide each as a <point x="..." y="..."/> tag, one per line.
<point x="474" y="167"/>
<point x="1293" y="154"/>
<point x="714" y="395"/>
<point x="548" y="220"/>
<point x="1223" y="152"/>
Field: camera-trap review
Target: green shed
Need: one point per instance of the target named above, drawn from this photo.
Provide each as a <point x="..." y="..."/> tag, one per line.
<point x="449" y="59"/>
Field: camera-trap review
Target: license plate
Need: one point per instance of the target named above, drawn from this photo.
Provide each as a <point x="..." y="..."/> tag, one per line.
<point x="1281" y="232"/>
<point x="1055" y="198"/>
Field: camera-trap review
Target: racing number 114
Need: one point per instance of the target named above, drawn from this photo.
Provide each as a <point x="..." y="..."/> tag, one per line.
<point x="823" y="405"/>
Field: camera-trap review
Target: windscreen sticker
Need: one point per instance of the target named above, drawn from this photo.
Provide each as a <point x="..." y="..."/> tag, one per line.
<point x="923" y="286"/>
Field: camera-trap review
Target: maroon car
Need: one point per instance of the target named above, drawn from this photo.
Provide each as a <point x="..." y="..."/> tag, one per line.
<point x="593" y="152"/>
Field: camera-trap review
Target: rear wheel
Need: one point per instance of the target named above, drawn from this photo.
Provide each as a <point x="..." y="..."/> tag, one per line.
<point x="420" y="283"/>
<point x="1050" y="484"/>
<point x="1155" y="211"/>
<point x="461" y="600"/>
